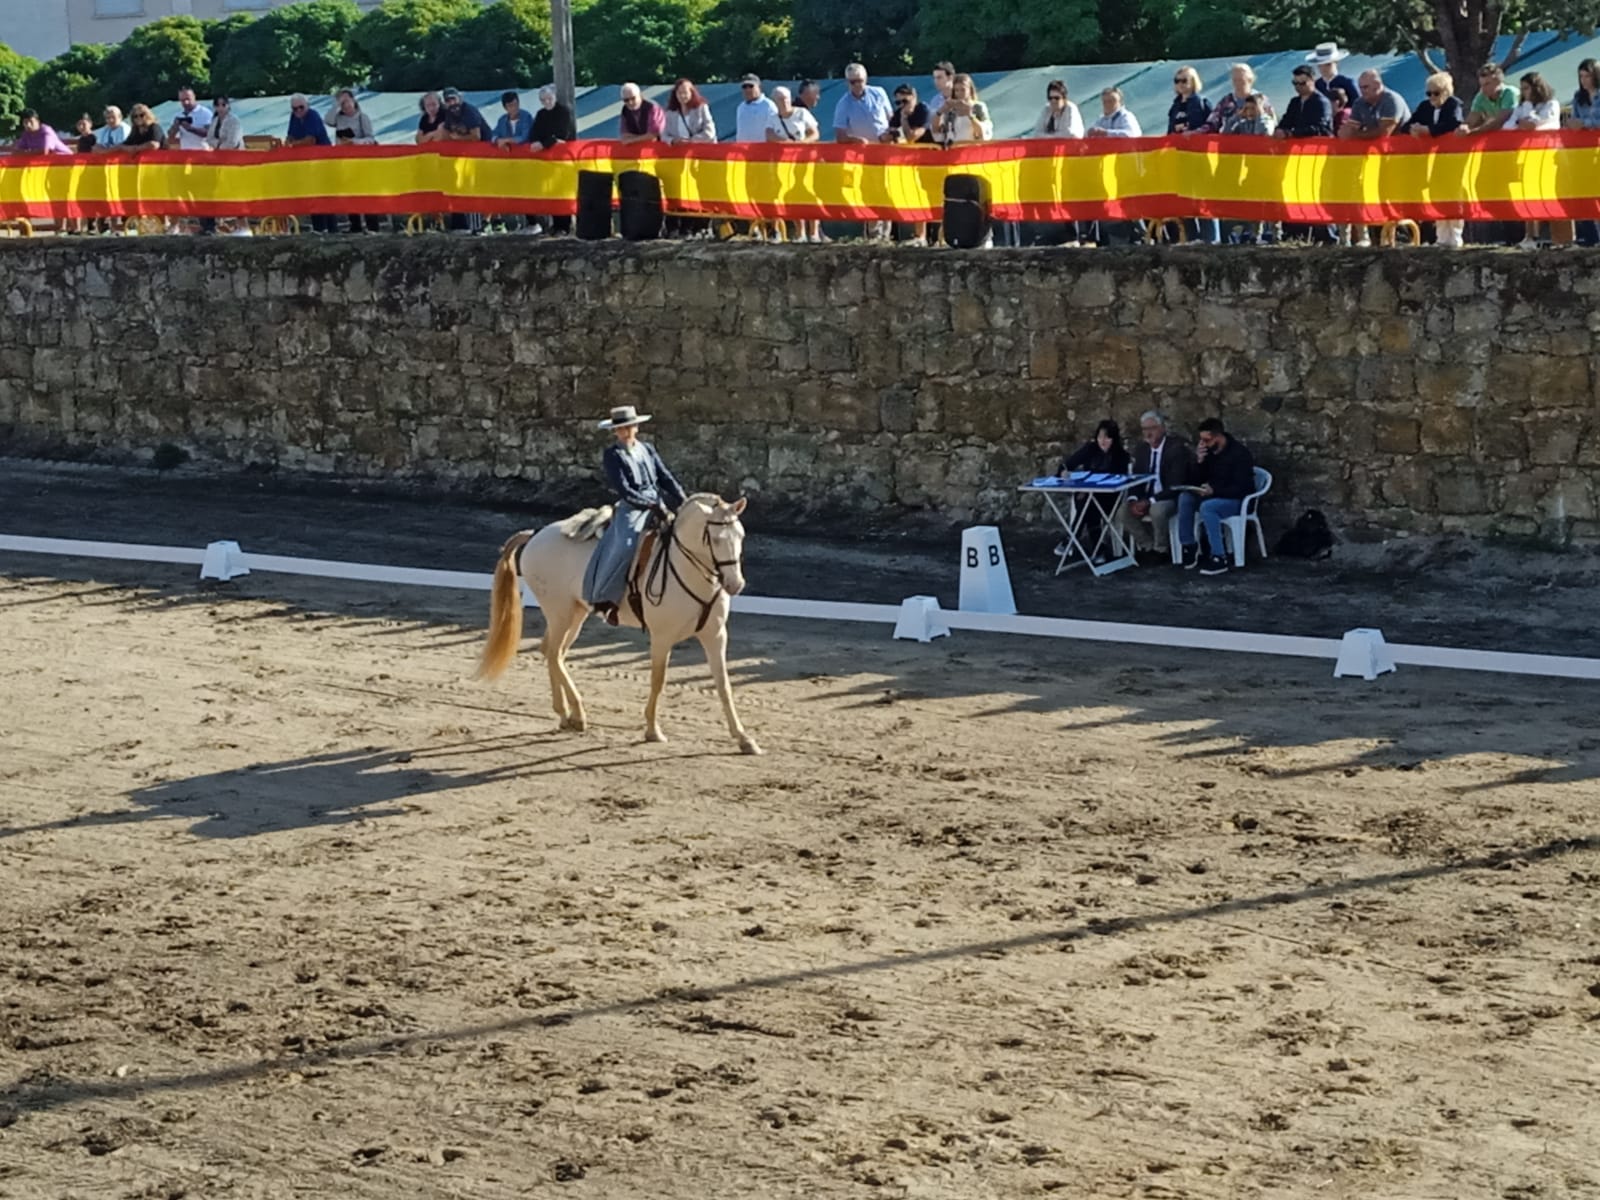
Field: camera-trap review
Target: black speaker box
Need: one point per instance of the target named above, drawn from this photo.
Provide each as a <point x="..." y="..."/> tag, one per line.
<point x="642" y="210"/>
<point x="966" y="211"/>
<point x="594" y="205"/>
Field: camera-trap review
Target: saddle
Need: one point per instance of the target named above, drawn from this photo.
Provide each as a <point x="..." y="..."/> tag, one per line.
<point x="636" y="574"/>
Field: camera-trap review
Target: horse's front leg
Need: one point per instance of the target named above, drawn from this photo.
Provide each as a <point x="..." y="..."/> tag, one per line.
<point x="714" y="639"/>
<point x="660" y="655"/>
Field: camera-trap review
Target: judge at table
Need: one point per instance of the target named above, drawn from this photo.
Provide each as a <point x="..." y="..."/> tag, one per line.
<point x="1169" y="458"/>
<point x="1104" y="454"/>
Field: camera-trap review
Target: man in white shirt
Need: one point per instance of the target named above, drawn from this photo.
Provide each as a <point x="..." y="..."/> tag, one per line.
<point x="1115" y="121"/>
<point x="944" y="75"/>
<point x="789" y="123"/>
<point x="755" y="112"/>
<point x="192" y="124"/>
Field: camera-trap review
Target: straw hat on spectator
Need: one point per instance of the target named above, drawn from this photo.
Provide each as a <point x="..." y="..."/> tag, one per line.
<point x="1327" y="52"/>
<point x="623" y="416"/>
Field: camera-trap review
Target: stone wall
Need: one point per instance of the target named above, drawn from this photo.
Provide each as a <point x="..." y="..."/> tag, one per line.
<point x="1415" y="390"/>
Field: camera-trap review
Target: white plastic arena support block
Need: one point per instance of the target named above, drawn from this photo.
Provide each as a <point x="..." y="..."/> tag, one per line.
<point x="921" y="619"/>
<point x="1363" y="652"/>
<point x="223" y="560"/>
<point x="985" y="579"/>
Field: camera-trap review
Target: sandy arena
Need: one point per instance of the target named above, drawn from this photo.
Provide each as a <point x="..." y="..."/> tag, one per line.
<point x="293" y="907"/>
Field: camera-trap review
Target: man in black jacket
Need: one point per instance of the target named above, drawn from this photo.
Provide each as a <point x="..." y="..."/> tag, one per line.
<point x="552" y="125"/>
<point x="1169" y="459"/>
<point x="1224" y="474"/>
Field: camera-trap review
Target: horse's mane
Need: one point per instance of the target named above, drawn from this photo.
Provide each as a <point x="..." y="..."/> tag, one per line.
<point x="588" y="524"/>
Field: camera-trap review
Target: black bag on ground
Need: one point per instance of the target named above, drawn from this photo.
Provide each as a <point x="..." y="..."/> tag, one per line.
<point x="1310" y="537"/>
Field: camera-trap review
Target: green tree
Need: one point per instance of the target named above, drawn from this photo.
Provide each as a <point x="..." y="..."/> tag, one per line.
<point x="505" y="45"/>
<point x="649" y="41"/>
<point x="71" y="84"/>
<point x="830" y="33"/>
<point x="15" y="70"/>
<point x="394" y="45"/>
<point x="296" y="48"/>
<point x="155" y="61"/>
<point x="217" y="34"/>
<point x="748" y="35"/>
<point x="996" y="35"/>
<point x="1453" y="35"/>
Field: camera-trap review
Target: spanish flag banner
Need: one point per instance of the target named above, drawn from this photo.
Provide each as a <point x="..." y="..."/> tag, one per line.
<point x="1525" y="176"/>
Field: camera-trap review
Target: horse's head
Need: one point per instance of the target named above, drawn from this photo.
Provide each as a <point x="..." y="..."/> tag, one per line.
<point x="709" y="527"/>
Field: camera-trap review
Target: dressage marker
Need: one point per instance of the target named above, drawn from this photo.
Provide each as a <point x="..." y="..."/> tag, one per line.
<point x="1555" y="666"/>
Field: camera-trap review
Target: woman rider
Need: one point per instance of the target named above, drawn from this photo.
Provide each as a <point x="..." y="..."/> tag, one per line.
<point x="643" y="486"/>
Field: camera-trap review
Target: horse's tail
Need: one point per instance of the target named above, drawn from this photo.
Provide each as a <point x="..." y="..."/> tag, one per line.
<point x="505" y="611"/>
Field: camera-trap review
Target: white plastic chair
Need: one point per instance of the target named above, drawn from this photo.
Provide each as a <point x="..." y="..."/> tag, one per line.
<point x="1236" y="529"/>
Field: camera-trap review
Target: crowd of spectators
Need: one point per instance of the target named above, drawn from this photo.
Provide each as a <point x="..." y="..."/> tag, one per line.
<point x="1325" y="104"/>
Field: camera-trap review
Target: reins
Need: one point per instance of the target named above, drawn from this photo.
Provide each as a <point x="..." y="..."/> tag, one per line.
<point x="662" y="566"/>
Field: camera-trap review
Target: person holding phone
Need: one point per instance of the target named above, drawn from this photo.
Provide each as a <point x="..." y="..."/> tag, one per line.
<point x="352" y="127"/>
<point x="193" y="122"/>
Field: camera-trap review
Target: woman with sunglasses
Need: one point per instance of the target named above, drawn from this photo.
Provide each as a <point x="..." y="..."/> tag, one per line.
<point x="1440" y="114"/>
<point x="1060" y="119"/>
<point x="909" y="124"/>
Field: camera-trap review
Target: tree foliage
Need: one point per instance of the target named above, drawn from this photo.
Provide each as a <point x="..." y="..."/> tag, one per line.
<point x="506" y="44"/>
<point x="15" y="71"/>
<point x="1454" y="35"/>
<point x="296" y="48"/>
<point x="748" y="35"/>
<point x="155" y="61"/>
<point x="644" y="40"/>
<point x="993" y="35"/>
<point x="878" y="33"/>
<point x="396" y="44"/>
<point x="217" y="33"/>
<point x="69" y="85"/>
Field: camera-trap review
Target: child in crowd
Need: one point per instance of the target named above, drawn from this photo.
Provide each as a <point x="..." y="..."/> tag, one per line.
<point x="1341" y="108"/>
<point x="1250" y="119"/>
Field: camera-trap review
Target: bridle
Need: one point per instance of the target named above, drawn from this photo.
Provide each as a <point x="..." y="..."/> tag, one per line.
<point x="655" y="584"/>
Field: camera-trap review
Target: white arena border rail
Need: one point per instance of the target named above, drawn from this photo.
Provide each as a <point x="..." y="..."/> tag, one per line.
<point x="1170" y="636"/>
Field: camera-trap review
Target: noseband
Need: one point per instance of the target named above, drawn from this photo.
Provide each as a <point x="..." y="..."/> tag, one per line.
<point x="655" y="587"/>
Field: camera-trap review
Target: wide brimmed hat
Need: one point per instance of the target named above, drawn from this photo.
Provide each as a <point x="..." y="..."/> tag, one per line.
<point x="625" y="415"/>
<point x="1327" y="52"/>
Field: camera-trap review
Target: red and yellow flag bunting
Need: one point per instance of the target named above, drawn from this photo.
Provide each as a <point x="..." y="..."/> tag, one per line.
<point x="1497" y="176"/>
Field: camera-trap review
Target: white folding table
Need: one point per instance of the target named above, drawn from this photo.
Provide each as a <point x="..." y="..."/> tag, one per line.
<point x="1078" y="489"/>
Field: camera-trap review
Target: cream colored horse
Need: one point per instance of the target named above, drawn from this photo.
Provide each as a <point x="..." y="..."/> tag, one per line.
<point x="695" y="569"/>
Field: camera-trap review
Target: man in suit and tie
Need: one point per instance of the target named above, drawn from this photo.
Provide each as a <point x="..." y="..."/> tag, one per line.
<point x="1170" y="460"/>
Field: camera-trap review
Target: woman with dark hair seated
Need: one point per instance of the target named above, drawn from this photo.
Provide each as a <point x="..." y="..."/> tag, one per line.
<point x="1103" y="454"/>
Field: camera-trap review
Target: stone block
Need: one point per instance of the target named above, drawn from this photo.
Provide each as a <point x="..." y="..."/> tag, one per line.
<point x="1044" y="356"/>
<point x="1168" y="363"/>
<point x="1385" y="379"/>
<point x="1450" y="382"/>
<point x="1447" y="429"/>
<point x="1112" y="358"/>
<point x="1225" y="369"/>
<point x="1222" y="327"/>
<point x="1396" y="435"/>
<point x="1553" y="440"/>
<point x="1462" y="492"/>
<point x="1559" y="383"/>
<point x="1092" y="289"/>
<point x="1475" y="318"/>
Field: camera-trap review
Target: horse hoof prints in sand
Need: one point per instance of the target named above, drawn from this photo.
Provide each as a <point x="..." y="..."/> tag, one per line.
<point x="681" y="586"/>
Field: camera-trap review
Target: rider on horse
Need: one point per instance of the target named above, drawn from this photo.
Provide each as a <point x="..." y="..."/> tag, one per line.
<point x="644" y="488"/>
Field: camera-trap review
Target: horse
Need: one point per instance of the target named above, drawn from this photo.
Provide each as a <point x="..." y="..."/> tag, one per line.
<point x="681" y="586"/>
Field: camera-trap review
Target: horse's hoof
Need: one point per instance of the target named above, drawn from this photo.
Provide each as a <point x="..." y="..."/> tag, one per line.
<point x="654" y="735"/>
<point x="574" y="724"/>
<point x="748" y="746"/>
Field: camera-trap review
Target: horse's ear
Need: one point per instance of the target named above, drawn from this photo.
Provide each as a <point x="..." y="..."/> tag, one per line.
<point x="738" y="505"/>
